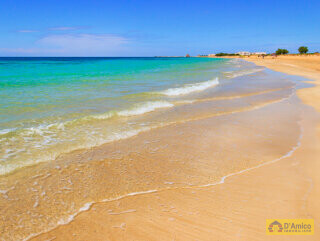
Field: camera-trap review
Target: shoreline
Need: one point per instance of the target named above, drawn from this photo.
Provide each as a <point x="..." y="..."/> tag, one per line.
<point x="305" y="66"/>
<point x="88" y="206"/>
<point x="214" y="209"/>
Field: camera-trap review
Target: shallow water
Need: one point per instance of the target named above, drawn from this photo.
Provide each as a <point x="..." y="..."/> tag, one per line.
<point x="191" y="132"/>
<point x="58" y="105"/>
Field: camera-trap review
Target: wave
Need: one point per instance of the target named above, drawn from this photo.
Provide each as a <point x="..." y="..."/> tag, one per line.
<point x="187" y="89"/>
<point x="238" y="73"/>
<point x="137" y="110"/>
<point x="145" y="108"/>
<point x="45" y="135"/>
<point x="6" y="131"/>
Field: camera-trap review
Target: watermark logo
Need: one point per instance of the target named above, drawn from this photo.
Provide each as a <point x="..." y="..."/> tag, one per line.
<point x="290" y="226"/>
<point x="275" y="227"/>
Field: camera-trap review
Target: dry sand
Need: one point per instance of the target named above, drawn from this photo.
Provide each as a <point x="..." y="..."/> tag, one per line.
<point x="234" y="210"/>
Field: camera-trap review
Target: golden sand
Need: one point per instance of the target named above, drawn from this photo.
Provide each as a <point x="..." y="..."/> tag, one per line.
<point x="305" y="65"/>
<point x="283" y="186"/>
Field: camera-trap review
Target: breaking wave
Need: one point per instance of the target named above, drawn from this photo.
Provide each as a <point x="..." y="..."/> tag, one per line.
<point x="189" y="88"/>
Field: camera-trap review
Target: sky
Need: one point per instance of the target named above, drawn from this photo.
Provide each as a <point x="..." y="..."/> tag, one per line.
<point x="156" y="28"/>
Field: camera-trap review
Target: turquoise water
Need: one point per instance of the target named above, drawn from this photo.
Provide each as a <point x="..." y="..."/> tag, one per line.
<point x="53" y="105"/>
<point x="34" y="88"/>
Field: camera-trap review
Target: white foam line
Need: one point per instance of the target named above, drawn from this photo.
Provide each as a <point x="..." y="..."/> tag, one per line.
<point x="121" y="226"/>
<point x="126" y="211"/>
<point x="6" y="131"/>
<point x="145" y="108"/>
<point x="86" y="207"/>
<point x="235" y="74"/>
<point x="187" y="89"/>
<point x="139" y="193"/>
<point x="139" y="109"/>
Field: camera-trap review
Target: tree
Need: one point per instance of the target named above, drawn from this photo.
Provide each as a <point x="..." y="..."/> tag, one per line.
<point x="282" y="51"/>
<point x="226" y="54"/>
<point x="285" y="51"/>
<point x="303" y="50"/>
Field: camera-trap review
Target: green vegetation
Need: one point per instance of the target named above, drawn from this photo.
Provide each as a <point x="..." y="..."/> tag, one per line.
<point x="282" y="51"/>
<point x="226" y="54"/>
<point x="303" y="50"/>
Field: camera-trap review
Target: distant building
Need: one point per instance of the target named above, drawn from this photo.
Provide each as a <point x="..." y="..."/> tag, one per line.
<point x="259" y="53"/>
<point x="244" y="53"/>
<point x="211" y="55"/>
<point x="188" y="56"/>
<point x="202" y="55"/>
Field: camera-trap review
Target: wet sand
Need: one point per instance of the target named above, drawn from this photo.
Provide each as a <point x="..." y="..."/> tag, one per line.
<point x="216" y="174"/>
<point x="234" y="210"/>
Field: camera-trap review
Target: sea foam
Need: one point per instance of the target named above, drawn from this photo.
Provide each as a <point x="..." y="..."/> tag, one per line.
<point x="145" y="108"/>
<point x="139" y="109"/>
<point x="242" y="72"/>
<point x="189" y="88"/>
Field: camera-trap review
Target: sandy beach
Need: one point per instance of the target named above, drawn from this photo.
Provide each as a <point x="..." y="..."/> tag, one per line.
<point x="160" y="121"/>
<point x="305" y="65"/>
<point x="233" y="207"/>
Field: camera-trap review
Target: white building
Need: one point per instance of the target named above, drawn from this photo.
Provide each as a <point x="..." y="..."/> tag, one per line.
<point x="244" y="53"/>
<point x="259" y="53"/>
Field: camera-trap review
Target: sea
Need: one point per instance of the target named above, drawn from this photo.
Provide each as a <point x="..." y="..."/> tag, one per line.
<point x="50" y="106"/>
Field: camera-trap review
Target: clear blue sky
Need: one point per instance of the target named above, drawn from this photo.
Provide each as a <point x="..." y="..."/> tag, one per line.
<point x="148" y="28"/>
